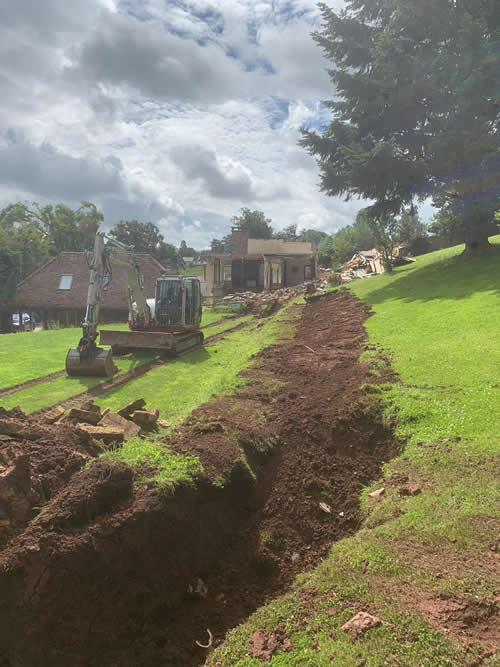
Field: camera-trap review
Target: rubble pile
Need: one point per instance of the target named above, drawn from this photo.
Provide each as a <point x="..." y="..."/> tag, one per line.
<point x="368" y="263"/>
<point x="265" y="303"/>
<point x="38" y="456"/>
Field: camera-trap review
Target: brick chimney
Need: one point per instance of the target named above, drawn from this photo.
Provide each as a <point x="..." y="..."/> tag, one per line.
<point x="239" y="239"/>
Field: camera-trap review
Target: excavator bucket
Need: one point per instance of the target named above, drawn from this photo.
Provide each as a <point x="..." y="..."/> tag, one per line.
<point x="98" y="364"/>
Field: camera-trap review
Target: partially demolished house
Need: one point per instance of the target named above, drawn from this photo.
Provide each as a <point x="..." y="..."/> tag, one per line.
<point x="258" y="265"/>
<point x="369" y="262"/>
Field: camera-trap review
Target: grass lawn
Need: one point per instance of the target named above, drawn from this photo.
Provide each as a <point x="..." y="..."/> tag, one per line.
<point x="438" y="321"/>
<point x="49" y="393"/>
<point x="179" y="387"/>
<point x="30" y="355"/>
<point x="59" y="389"/>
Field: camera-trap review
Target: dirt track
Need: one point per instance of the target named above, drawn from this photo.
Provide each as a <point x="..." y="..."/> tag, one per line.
<point x="102" y="576"/>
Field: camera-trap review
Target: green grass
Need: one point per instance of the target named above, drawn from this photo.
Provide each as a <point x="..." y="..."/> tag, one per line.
<point x="192" y="271"/>
<point x="59" y="389"/>
<point x="31" y="355"/>
<point x="179" y="387"/>
<point x="438" y="321"/>
<point x="211" y="316"/>
<point x="170" y="469"/>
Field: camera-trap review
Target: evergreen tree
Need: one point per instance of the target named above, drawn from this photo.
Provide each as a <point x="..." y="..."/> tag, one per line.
<point x="417" y="110"/>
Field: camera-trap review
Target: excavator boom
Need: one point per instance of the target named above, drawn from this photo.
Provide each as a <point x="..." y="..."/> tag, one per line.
<point x="169" y="322"/>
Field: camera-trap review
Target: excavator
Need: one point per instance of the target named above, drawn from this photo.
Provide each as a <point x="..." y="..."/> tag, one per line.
<point x="168" y="322"/>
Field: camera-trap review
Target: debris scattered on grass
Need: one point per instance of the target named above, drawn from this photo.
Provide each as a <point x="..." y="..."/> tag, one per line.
<point x="376" y="495"/>
<point x="362" y="622"/>
<point x="412" y="490"/>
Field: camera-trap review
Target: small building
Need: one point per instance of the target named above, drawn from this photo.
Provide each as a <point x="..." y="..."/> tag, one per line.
<point x="259" y="265"/>
<point x="58" y="290"/>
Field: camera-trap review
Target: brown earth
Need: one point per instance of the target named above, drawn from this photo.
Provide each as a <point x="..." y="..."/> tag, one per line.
<point x="102" y="575"/>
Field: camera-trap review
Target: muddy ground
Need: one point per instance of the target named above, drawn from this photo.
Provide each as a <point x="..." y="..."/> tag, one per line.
<point x="109" y="572"/>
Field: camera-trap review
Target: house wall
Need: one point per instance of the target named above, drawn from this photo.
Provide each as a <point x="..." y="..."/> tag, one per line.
<point x="295" y="270"/>
<point x="278" y="247"/>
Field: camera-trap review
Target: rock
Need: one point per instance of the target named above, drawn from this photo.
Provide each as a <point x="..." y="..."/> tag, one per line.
<point x="127" y="410"/>
<point x="164" y="424"/>
<point x="90" y="406"/>
<point x="376" y="495"/>
<point x="360" y="623"/>
<point x="325" y="507"/>
<point x="114" y="420"/>
<point x="146" y="417"/>
<point x="412" y="490"/>
<point x="107" y="434"/>
<point x="53" y="415"/>
<point x="85" y="416"/>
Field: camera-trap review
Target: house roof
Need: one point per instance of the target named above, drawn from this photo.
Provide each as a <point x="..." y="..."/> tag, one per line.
<point x="41" y="288"/>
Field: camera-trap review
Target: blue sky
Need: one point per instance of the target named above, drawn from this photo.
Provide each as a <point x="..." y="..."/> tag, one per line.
<point x="179" y="112"/>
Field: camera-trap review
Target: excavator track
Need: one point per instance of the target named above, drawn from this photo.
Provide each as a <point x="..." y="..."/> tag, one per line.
<point x="173" y="343"/>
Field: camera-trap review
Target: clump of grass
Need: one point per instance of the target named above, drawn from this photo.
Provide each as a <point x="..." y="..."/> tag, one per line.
<point x="170" y="470"/>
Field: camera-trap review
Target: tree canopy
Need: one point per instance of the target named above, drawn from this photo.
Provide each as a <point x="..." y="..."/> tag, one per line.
<point x="417" y="107"/>
<point x="146" y="237"/>
<point x="258" y="226"/>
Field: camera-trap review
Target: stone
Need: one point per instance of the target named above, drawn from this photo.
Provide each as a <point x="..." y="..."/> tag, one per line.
<point x="412" y="490"/>
<point x="86" y="416"/>
<point x="127" y="410"/>
<point x="114" y="420"/>
<point x="360" y="623"/>
<point x="376" y="495"/>
<point x="52" y="415"/>
<point x="146" y="417"/>
<point x="107" y="434"/>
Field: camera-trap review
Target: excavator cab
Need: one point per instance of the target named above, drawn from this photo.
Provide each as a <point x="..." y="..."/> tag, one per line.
<point x="178" y="303"/>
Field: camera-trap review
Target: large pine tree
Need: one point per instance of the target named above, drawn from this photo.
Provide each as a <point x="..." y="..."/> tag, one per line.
<point x="417" y="106"/>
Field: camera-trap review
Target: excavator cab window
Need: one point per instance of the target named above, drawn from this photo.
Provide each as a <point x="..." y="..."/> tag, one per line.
<point x="169" y="303"/>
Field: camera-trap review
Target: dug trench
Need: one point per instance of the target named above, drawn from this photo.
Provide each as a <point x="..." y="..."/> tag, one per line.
<point x="111" y="572"/>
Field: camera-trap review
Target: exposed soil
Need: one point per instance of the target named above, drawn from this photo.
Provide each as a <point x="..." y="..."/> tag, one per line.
<point x="103" y="575"/>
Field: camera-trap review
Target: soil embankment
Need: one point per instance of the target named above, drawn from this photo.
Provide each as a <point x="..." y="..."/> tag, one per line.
<point x="111" y="573"/>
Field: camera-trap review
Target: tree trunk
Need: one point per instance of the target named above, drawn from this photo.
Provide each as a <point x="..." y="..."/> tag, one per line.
<point x="476" y="236"/>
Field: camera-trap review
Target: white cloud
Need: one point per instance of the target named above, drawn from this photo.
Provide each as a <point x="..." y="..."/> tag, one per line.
<point x="178" y="112"/>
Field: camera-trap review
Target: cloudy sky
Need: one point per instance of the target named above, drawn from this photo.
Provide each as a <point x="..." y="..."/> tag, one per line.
<point x="174" y="111"/>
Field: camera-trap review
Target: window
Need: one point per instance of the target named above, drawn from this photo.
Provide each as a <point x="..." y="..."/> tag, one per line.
<point x="66" y="281"/>
<point x="307" y="272"/>
<point x="106" y="281"/>
<point x="276" y="274"/>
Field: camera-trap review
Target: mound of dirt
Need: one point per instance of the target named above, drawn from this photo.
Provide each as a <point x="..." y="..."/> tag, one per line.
<point x="106" y="573"/>
<point x="36" y="461"/>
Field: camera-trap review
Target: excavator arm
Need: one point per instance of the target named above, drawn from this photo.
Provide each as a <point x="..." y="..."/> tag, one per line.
<point x="88" y="358"/>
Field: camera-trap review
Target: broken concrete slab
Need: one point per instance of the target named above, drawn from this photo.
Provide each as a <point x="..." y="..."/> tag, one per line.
<point x="146" y="418"/>
<point x="107" y="434"/>
<point x="377" y="495"/>
<point x="52" y="415"/>
<point x="85" y="416"/>
<point x="127" y="410"/>
<point x="114" y="420"/>
<point x="362" y="622"/>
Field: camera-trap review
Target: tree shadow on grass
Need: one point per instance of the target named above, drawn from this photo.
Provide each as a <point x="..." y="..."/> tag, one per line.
<point x="453" y="279"/>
